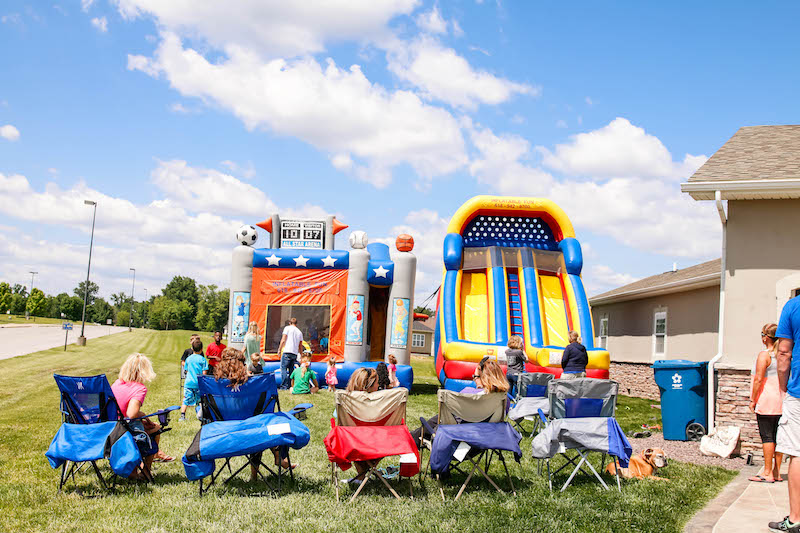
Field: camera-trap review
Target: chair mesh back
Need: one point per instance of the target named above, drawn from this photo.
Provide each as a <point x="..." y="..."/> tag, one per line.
<point x="87" y="399"/>
<point x="582" y="397"/>
<point x="257" y="395"/>
<point x="459" y="407"/>
<point x="380" y="408"/>
<point x="533" y="384"/>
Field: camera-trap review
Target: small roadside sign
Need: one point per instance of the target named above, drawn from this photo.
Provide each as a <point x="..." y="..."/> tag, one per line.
<point x="67" y="327"/>
<point x="108" y="321"/>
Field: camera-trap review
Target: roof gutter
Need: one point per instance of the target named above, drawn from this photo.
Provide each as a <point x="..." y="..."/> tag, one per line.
<point x="712" y="389"/>
<point x="745" y="188"/>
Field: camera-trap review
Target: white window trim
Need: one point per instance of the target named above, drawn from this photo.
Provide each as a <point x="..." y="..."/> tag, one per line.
<point x="659" y="313"/>
<point x="600" y="337"/>
<point x="415" y="337"/>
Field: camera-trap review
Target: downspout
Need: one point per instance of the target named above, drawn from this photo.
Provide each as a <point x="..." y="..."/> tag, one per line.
<point x="712" y="400"/>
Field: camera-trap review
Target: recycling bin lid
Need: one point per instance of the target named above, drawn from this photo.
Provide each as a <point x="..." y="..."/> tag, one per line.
<point x="678" y="363"/>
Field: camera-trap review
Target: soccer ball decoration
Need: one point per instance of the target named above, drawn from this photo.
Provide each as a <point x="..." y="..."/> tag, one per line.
<point x="247" y="235"/>
<point x="358" y="240"/>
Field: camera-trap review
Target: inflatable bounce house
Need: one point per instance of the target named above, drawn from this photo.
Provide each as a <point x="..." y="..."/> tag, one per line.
<point x="511" y="267"/>
<point x="356" y="305"/>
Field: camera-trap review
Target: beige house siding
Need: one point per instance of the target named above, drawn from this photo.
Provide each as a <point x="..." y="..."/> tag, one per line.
<point x="763" y="266"/>
<point x="427" y="348"/>
<point x="692" y="319"/>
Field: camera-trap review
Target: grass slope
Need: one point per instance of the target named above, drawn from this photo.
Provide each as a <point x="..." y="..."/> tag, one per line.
<point x="28" y="500"/>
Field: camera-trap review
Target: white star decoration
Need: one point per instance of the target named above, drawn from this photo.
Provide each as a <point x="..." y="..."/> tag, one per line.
<point x="300" y="261"/>
<point x="273" y="260"/>
<point x="328" y="261"/>
<point x="380" y="272"/>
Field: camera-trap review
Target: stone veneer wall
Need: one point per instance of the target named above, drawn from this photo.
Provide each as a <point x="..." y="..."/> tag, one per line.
<point x="635" y="379"/>
<point x="733" y="401"/>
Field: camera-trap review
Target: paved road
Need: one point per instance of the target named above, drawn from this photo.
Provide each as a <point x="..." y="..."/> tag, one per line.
<point x="23" y="339"/>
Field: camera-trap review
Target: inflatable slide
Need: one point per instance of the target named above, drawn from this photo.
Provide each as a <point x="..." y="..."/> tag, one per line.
<point x="512" y="266"/>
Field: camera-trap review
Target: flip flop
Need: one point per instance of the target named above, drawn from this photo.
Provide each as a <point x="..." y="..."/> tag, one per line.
<point x="164" y="459"/>
<point x="760" y="479"/>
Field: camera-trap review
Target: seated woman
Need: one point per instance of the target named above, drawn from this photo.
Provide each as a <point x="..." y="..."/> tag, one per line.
<point x="231" y="367"/>
<point x="130" y="391"/>
<point x="488" y="377"/>
<point x="363" y="379"/>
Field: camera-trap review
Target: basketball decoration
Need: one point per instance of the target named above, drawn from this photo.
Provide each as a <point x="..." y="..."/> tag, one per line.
<point x="404" y="242"/>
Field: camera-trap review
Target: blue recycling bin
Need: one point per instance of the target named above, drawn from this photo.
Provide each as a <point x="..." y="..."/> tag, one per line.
<point x="684" y="400"/>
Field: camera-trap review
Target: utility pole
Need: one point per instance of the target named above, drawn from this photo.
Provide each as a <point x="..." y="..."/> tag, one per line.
<point x="27" y="315"/>
<point x="82" y="338"/>
<point x="133" y="298"/>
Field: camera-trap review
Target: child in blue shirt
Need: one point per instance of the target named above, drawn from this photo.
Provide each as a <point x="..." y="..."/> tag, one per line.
<point x="195" y="365"/>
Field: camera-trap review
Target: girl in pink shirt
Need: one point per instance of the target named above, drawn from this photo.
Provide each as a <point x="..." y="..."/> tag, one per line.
<point x="393" y="381"/>
<point x="130" y="391"/>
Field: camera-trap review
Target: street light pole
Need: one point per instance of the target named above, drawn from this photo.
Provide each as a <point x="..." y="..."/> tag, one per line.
<point x="82" y="338"/>
<point x="133" y="298"/>
<point x="32" y="273"/>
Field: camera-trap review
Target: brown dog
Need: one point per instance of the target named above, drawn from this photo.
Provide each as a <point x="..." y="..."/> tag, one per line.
<point x="643" y="465"/>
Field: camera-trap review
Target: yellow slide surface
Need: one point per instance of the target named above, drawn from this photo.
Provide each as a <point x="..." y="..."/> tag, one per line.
<point x="555" y="313"/>
<point x="475" y="311"/>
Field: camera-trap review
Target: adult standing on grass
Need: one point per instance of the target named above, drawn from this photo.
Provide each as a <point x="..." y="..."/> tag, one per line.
<point x="788" y="334"/>
<point x="214" y="352"/>
<point x="765" y="401"/>
<point x="289" y="348"/>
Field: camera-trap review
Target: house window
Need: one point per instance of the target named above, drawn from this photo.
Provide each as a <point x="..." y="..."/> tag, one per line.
<point x="660" y="333"/>
<point x="795" y="293"/>
<point x="603" y="338"/>
<point x="417" y="340"/>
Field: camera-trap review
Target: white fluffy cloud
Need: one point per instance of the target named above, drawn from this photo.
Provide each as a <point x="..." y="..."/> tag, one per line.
<point x="618" y="150"/>
<point x="101" y="24"/>
<point x="272" y="28"/>
<point x="645" y="211"/>
<point x="601" y="278"/>
<point x="432" y="21"/>
<point x="441" y="74"/>
<point x="9" y="132"/>
<point x="336" y="110"/>
<point x="187" y="230"/>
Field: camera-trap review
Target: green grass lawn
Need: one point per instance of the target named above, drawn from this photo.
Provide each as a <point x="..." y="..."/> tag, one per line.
<point x="29" y="418"/>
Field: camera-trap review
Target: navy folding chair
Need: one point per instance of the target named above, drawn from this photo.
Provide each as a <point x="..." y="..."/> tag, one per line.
<point x="89" y="400"/>
<point x="258" y="395"/>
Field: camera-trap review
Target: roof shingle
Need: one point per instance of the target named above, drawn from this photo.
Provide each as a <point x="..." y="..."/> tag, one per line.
<point x="755" y="153"/>
<point x="666" y="279"/>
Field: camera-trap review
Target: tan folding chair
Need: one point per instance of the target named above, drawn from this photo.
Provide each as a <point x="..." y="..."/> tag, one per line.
<point x="461" y="408"/>
<point x="380" y="408"/>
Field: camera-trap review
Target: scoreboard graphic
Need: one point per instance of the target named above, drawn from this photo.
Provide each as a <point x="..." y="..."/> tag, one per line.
<point x="299" y="233"/>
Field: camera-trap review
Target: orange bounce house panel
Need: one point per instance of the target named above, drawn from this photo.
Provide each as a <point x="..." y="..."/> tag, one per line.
<point x="280" y="286"/>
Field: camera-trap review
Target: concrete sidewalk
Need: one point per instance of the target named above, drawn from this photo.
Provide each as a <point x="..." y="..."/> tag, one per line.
<point x="743" y="506"/>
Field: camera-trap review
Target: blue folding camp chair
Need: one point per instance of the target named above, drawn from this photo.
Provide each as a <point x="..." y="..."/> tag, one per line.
<point x="256" y="396"/>
<point x="89" y="400"/>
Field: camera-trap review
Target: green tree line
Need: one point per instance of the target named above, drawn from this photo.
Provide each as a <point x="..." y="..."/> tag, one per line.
<point x="182" y="304"/>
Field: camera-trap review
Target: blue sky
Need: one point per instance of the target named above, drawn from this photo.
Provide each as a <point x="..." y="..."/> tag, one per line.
<point x="185" y="119"/>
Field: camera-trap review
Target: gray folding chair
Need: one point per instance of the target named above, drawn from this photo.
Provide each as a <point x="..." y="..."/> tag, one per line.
<point x="460" y="408"/>
<point x="576" y="399"/>
<point x="531" y="397"/>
